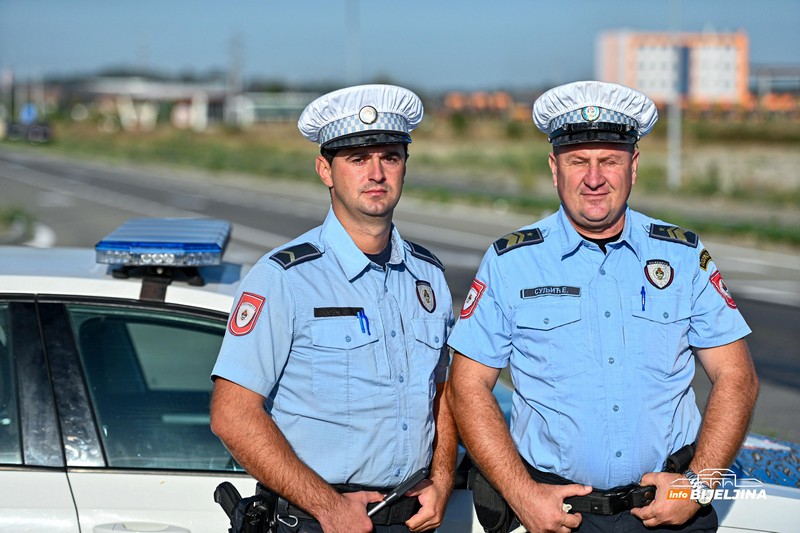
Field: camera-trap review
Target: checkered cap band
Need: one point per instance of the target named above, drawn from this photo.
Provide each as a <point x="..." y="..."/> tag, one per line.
<point x="606" y="115"/>
<point x="352" y="125"/>
<point x="606" y="103"/>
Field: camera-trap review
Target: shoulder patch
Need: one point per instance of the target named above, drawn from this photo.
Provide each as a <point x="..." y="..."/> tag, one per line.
<point x="423" y="253"/>
<point x="516" y="239"/>
<point x="294" y="255"/>
<point x="664" y="232"/>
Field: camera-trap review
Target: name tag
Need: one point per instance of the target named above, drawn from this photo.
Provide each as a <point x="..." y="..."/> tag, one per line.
<point x="550" y="290"/>
<point x="325" y="312"/>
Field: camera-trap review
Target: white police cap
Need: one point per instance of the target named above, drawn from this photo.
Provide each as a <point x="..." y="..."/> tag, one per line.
<point x="593" y="111"/>
<point x="361" y="116"/>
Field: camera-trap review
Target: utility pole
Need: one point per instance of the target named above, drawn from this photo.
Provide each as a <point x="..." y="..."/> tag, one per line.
<point x="674" y="114"/>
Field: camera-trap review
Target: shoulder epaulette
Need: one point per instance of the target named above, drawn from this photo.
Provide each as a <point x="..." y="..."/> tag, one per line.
<point x="516" y="239"/>
<point x="664" y="232"/>
<point x="423" y="253"/>
<point x="294" y="255"/>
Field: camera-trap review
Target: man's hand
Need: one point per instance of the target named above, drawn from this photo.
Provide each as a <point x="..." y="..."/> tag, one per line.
<point x="433" y="499"/>
<point x="543" y="511"/>
<point x="664" y="511"/>
<point x="349" y="513"/>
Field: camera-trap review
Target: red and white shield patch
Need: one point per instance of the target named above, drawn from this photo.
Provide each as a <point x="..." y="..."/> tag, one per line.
<point x="718" y="283"/>
<point x="471" y="301"/>
<point x="243" y="319"/>
<point x="659" y="273"/>
<point x="426" y="296"/>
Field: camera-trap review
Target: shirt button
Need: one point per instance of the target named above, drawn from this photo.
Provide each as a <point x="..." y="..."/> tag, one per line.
<point x="610" y="360"/>
<point x="618" y="454"/>
<point x="616" y="408"/>
<point x="608" y="314"/>
<point x="405" y="427"/>
<point x="401" y="379"/>
<point x="666" y="315"/>
<point x="397" y="473"/>
<point x="393" y="333"/>
<point x="436" y="339"/>
<point x="546" y="320"/>
<point x="347" y="339"/>
<point x="602" y="272"/>
<point x="385" y="288"/>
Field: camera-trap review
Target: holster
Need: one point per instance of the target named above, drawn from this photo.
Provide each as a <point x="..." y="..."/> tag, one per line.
<point x="494" y="514"/>
<point x="254" y="514"/>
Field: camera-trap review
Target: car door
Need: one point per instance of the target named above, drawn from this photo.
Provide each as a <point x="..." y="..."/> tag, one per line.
<point x="35" y="493"/>
<point x="132" y="389"/>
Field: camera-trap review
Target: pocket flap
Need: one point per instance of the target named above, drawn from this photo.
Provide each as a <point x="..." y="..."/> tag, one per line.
<point x="550" y="316"/>
<point x="661" y="309"/>
<point x="429" y="331"/>
<point x="344" y="333"/>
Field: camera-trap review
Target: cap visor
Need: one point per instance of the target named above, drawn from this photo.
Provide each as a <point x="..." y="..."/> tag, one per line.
<point x="368" y="139"/>
<point x="594" y="136"/>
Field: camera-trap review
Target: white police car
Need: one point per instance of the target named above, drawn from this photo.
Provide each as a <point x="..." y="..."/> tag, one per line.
<point x="104" y="390"/>
<point x="104" y="383"/>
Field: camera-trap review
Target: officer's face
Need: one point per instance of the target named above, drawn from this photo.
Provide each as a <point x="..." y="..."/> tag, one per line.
<point x="365" y="181"/>
<point x="594" y="182"/>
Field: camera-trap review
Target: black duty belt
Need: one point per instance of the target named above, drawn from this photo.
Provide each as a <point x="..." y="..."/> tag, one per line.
<point x="396" y="513"/>
<point x="602" y="502"/>
<point x="612" y="501"/>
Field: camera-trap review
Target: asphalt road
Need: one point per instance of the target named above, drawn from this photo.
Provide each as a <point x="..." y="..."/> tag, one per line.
<point x="77" y="203"/>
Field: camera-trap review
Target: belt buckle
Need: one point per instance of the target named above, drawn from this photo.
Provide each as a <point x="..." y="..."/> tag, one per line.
<point x="628" y="497"/>
<point x="616" y="498"/>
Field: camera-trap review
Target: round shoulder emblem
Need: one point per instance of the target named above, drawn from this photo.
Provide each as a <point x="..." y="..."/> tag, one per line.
<point x="368" y="114"/>
<point x="590" y="113"/>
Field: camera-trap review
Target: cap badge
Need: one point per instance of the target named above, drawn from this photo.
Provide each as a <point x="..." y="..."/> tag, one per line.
<point x="590" y="113"/>
<point x="368" y="114"/>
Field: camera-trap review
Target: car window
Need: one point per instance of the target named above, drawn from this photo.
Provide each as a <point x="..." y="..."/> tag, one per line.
<point x="148" y="377"/>
<point x="10" y="447"/>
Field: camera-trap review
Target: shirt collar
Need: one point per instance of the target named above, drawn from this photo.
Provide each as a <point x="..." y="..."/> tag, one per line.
<point x="571" y="239"/>
<point x="337" y="241"/>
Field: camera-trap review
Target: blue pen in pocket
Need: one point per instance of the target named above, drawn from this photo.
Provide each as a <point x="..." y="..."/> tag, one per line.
<point x="644" y="294"/>
<point x="363" y="322"/>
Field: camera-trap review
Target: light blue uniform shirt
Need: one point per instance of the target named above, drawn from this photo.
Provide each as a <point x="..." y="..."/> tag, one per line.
<point x="348" y="355"/>
<point x="602" y="374"/>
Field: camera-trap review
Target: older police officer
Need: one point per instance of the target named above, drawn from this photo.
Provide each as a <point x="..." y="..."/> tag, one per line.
<point x="597" y="309"/>
<point x="328" y="386"/>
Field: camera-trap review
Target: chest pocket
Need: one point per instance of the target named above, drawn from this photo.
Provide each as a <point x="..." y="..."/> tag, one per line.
<point x="659" y="333"/>
<point x="344" y="363"/>
<point x="551" y="336"/>
<point x="429" y="335"/>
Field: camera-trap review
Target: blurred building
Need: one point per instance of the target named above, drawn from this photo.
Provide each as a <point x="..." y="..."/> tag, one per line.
<point x="706" y="68"/>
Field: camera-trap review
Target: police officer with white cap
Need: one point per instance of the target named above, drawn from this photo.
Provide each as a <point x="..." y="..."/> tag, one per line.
<point x="597" y="309"/>
<point x="328" y="387"/>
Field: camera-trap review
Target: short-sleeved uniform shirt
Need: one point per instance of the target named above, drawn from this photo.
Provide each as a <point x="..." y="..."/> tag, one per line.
<point x="347" y="354"/>
<point x="599" y="345"/>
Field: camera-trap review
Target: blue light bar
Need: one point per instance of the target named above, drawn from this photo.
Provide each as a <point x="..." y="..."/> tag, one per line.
<point x="170" y="242"/>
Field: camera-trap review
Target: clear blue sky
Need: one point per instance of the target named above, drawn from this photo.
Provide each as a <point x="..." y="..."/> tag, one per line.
<point x="424" y="44"/>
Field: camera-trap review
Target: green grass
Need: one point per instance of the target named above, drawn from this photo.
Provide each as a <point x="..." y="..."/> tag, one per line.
<point x="483" y="162"/>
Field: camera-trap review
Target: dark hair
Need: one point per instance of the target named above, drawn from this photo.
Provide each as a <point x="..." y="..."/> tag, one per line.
<point x="329" y="154"/>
